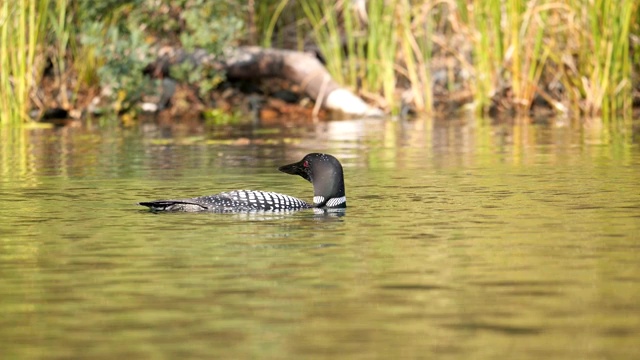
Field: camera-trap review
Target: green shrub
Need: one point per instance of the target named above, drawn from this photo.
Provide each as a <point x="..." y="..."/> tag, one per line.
<point x="126" y="36"/>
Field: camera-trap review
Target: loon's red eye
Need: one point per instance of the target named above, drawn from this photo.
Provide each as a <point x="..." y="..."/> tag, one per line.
<point x="306" y="164"/>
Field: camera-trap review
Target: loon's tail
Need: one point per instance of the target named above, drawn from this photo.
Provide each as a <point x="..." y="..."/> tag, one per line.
<point x="173" y="205"/>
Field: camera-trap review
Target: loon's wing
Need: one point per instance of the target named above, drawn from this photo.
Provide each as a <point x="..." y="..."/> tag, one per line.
<point x="265" y="200"/>
<point x="232" y="201"/>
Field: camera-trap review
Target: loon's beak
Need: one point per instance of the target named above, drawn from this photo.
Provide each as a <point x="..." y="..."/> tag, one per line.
<point x="295" y="169"/>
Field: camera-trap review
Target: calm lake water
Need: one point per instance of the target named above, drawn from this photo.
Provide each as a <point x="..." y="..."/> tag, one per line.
<point x="462" y="240"/>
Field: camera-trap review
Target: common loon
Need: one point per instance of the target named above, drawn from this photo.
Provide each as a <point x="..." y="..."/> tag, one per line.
<point x="322" y="170"/>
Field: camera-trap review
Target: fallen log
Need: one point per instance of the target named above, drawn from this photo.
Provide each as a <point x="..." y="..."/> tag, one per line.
<point x="303" y="69"/>
<point x="300" y="68"/>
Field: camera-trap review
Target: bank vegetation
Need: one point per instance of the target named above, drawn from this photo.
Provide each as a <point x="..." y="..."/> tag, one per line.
<point x="576" y="58"/>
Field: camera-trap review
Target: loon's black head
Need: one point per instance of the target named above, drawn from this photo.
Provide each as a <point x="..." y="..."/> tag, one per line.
<point x="325" y="173"/>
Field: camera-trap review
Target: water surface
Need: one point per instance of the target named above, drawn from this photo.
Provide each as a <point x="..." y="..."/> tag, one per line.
<point x="462" y="240"/>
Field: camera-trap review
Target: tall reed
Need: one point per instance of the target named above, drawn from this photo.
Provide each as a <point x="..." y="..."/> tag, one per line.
<point x="416" y="32"/>
<point x="323" y="16"/>
<point x="280" y="23"/>
<point x="605" y="62"/>
<point x="509" y="51"/>
<point x="62" y="34"/>
<point x="585" y="47"/>
<point x="527" y="31"/>
<point x="382" y="47"/>
<point x="372" y="49"/>
<point x="21" y="30"/>
<point x="487" y="39"/>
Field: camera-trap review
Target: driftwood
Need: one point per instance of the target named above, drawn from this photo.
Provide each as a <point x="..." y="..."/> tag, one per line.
<point x="300" y="68"/>
<point x="303" y="69"/>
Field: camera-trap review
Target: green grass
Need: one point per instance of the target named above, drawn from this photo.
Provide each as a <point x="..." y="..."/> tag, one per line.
<point x="606" y="70"/>
<point x="21" y="56"/>
<point x="509" y="52"/>
<point x="575" y="54"/>
<point x="61" y="34"/>
<point x="525" y="47"/>
<point x="521" y="50"/>
<point x="372" y="54"/>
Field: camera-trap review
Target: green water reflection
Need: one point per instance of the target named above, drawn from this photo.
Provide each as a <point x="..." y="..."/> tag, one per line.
<point x="462" y="239"/>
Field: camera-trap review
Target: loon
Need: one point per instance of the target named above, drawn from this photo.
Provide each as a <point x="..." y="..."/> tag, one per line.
<point x="322" y="170"/>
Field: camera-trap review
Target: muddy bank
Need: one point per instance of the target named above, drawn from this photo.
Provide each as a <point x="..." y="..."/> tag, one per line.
<point x="266" y="86"/>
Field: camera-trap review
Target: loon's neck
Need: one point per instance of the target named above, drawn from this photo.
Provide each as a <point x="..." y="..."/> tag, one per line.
<point x="335" y="201"/>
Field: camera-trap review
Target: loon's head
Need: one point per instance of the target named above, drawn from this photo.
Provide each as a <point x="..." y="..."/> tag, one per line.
<point x="325" y="173"/>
